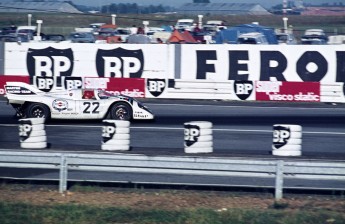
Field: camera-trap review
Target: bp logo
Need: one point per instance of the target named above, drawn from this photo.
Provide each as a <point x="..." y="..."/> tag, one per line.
<point x="191" y="134"/>
<point x="25" y="129"/>
<point x="44" y="84"/>
<point x="281" y="136"/>
<point x="45" y="64"/>
<point x="49" y="62"/>
<point x="108" y="131"/>
<point x="243" y="89"/>
<point x="156" y="86"/>
<point x="73" y="83"/>
<point x="120" y="63"/>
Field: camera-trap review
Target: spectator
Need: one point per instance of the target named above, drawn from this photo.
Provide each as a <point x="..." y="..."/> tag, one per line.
<point x="134" y="29"/>
<point x="140" y="30"/>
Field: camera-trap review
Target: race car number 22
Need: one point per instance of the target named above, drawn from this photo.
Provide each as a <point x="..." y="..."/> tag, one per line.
<point x="91" y="107"/>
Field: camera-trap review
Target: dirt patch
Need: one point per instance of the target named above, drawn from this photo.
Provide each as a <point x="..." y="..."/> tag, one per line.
<point x="166" y="199"/>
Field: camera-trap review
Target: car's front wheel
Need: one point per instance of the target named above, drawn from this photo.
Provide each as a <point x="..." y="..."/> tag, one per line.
<point x="121" y="111"/>
<point x="37" y="110"/>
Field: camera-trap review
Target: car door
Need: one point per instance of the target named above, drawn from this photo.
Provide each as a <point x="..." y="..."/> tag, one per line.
<point x="91" y="108"/>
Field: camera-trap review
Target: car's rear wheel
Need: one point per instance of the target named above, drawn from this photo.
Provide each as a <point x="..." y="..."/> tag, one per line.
<point x="37" y="110"/>
<point x="121" y="111"/>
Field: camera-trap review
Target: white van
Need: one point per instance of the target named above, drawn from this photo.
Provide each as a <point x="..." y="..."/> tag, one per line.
<point x="185" y="24"/>
<point x="252" y="38"/>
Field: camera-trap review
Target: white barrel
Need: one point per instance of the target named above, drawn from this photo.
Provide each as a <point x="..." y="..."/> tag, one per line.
<point x="287" y="140"/>
<point x="115" y="135"/>
<point x="292" y="127"/>
<point x="117" y="142"/>
<point x="205" y="138"/>
<point x="122" y="130"/>
<point x="115" y="147"/>
<point x="199" y="150"/>
<point x="206" y="131"/>
<point x="288" y="148"/>
<point x="35" y="139"/>
<point x="287" y="152"/>
<point x="33" y="145"/>
<point x="120" y="137"/>
<point x="33" y="121"/>
<point x="119" y="123"/>
<point x="201" y="124"/>
<point x="198" y="137"/>
<point x="38" y="133"/>
<point x="32" y="133"/>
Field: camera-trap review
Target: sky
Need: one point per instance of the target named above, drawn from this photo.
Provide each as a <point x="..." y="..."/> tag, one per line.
<point x="177" y="3"/>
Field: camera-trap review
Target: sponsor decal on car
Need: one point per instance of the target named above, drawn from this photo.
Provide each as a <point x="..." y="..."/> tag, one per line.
<point x="18" y="90"/>
<point x="139" y="114"/>
<point x="60" y="105"/>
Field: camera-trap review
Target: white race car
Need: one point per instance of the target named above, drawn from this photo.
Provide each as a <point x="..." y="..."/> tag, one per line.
<point x="30" y="102"/>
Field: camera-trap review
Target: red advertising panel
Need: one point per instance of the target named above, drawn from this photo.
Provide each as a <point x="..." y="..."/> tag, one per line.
<point x="134" y="87"/>
<point x="10" y="78"/>
<point x="287" y="91"/>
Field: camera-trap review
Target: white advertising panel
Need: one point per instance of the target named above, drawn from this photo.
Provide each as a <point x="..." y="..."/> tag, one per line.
<point x="216" y="62"/>
<point x="91" y="60"/>
<point x="312" y="63"/>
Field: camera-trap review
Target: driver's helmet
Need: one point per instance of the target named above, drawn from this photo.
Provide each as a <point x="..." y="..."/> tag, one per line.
<point x="101" y="94"/>
<point x="88" y="94"/>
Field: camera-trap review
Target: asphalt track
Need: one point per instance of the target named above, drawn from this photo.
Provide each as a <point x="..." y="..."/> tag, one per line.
<point x="239" y="128"/>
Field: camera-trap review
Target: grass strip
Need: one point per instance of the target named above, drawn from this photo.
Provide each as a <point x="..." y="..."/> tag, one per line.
<point x="20" y="213"/>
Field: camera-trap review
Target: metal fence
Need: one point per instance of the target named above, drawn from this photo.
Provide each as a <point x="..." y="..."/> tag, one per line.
<point x="179" y="165"/>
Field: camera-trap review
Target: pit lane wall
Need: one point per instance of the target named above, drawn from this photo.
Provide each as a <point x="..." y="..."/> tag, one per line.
<point x="195" y="71"/>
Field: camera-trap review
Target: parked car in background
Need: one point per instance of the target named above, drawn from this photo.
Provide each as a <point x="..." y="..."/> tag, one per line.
<point x="185" y="24"/>
<point x="252" y="38"/>
<point x="213" y="26"/>
<point x="9" y="38"/>
<point x="314" y="32"/>
<point x="80" y="37"/>
<point x="314" y="37"/>
<point x="53" y="37"/>
<point x="123" y="33"/>
<point x="8" y="30"/>
<point x="286" y="38"/>
<point x="96" y="26"/>
<point x="336" y="39"/>
<point x="26" y="33"/>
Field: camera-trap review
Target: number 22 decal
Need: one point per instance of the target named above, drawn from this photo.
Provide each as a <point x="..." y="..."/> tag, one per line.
<point x="91" y="107"/>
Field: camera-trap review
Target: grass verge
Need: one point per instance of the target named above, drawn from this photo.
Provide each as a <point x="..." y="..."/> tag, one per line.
<point x="18" y="213"/>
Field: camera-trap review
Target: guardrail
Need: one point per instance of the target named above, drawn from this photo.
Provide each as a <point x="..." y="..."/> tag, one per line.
<point x="205" y="166"/>
<point x="333" y="92"/>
